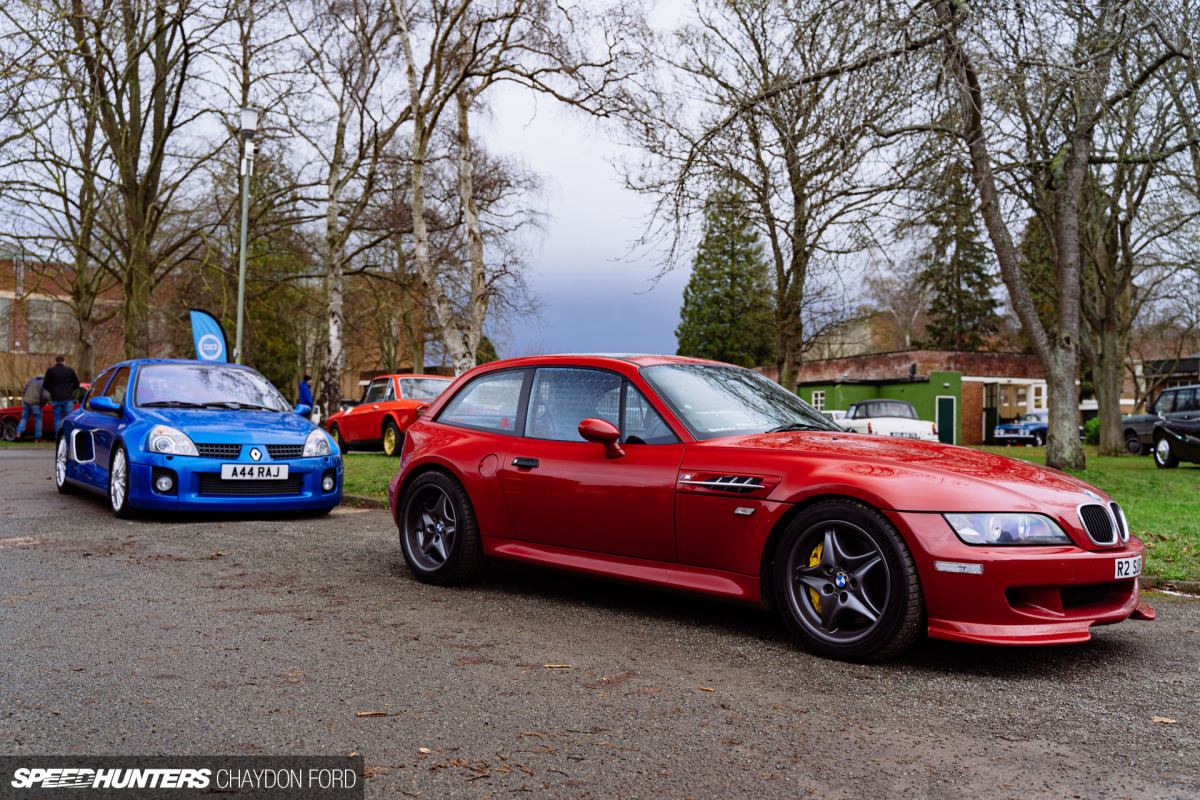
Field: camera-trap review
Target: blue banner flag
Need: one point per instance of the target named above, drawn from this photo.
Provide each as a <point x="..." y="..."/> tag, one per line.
<point x="208" y="336"/>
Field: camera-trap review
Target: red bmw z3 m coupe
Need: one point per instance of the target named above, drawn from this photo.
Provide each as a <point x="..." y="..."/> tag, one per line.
<point x="705" y="477"/>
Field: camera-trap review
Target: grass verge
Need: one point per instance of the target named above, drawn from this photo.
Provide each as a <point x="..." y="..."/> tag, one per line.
<point x="368" y="474"/>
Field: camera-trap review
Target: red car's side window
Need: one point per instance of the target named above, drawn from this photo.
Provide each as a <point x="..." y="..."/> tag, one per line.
<point x="490" y="402"/>
<point x="561" y="398"/>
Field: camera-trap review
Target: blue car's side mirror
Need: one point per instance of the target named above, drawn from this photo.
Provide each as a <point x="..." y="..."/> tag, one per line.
<point x="104" y="405"/>
<point x="303" y="410"/>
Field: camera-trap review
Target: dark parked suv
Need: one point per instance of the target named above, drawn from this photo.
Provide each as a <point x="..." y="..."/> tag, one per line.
<point x="1182" y="402"/>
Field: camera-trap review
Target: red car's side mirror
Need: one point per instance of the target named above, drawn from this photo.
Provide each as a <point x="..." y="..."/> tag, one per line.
<point x="421" y="409"/>
<point x="601" y="432"/>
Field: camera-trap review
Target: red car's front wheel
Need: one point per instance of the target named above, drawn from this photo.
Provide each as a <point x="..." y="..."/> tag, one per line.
<point x="846" y="583"/>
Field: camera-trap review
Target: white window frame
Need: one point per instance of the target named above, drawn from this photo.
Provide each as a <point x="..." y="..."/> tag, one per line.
<point x="818" y="400"/>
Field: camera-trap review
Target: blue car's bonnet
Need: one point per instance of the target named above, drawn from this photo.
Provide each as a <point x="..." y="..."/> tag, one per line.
<point x="215" y="426"/>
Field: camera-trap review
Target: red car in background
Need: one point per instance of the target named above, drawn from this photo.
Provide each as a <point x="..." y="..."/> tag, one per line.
<point x="389" y="406"/>
<point x="698" y="476"/>
<point x="10" y="418"/>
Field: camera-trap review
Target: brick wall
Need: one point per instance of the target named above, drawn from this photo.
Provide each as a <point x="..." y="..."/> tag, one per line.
<point x="972" y="413"/>
<point x="896" y="366"/>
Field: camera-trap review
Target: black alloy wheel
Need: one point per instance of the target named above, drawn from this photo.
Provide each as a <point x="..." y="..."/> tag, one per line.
<point x="846" y="583"/>
<point x="438" y="531"/>
<point x="9" y="431"/>
<point x="1038" y="439"/>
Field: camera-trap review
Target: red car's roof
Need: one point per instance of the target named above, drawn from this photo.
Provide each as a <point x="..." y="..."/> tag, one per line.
<point x="640" y="359"/>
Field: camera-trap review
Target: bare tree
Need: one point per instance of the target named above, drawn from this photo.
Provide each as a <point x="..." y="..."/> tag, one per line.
<point x="454" y="51"/>
<point x="56" y="176"/>
<point x="1052" y="67"/>
<point x="346" y="48"/>
<point x="140" y="61"/>
<point x="807" y="155"/>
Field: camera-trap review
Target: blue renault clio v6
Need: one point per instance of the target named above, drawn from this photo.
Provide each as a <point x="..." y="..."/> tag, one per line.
<point x="196" y="435"/>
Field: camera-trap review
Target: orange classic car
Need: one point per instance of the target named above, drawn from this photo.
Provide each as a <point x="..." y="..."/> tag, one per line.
<point x="388" y="407"/>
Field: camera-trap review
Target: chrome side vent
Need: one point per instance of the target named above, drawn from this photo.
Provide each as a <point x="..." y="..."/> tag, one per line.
<point x="734" y="484"/>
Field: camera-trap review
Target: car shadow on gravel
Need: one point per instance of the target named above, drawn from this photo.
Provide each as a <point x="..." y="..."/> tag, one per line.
<point x="519" y="583"/>
<point x="141" y="516"/>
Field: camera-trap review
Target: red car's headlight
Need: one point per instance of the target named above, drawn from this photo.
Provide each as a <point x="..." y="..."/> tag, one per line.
<point x="1006" y="529"/>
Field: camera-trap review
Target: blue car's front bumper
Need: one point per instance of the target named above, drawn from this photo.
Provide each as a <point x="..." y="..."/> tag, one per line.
<point x="197" y="485"/>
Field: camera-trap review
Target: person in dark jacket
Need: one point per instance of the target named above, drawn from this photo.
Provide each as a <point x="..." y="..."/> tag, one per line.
<point x="61" y="383"/>
<point x="306" y="398"/>
<point x="31" y="406"/>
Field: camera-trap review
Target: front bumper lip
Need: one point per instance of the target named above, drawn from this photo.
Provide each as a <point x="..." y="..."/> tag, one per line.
<point x="1032" y="595"/>
<point x="188" y="470"/>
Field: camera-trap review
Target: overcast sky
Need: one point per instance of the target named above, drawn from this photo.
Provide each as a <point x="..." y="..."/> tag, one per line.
<point x="597" y="298"/>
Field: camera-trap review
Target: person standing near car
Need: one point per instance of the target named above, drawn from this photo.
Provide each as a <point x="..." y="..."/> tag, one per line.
<point x="32" y="400"/>
<point x="305" y="398"/>
<point x="61" y="383"/>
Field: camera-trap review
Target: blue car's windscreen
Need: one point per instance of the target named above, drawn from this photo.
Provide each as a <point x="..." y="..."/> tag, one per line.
<point x="205" y="386"/>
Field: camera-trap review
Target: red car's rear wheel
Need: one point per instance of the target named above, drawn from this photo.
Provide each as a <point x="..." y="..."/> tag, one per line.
<point x="846" y="583"/>
<point x="438" y="531"/>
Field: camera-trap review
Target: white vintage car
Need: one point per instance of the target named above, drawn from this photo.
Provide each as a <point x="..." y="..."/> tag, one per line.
<point x="888" y="418"/>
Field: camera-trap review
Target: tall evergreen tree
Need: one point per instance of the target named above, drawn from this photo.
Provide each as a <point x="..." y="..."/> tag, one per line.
<point x="958" y="271"/>
<point x="727" y="304"/>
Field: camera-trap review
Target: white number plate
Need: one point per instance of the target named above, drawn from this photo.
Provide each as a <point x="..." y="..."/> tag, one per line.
<point x="253" y="472"/>
<point x="907" y="435"/>
<point x="1129" y="567"/>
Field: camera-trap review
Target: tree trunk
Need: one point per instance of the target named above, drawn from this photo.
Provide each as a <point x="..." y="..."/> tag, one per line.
<point x="1109" y="374"/>
<point x="136" y="303"/>
<point x="466" y="192"/>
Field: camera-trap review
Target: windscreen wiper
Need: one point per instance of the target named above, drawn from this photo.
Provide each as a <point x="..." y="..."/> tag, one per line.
<point x="172" y="404"/>
<point x="797" y="426"/>
<point x="236" y="406"/>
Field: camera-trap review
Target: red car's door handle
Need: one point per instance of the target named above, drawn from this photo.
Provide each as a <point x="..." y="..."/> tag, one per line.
<point x="525" y="463"/>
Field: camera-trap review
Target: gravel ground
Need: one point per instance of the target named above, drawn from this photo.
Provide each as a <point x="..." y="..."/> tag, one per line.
<point x="270" y="635"/>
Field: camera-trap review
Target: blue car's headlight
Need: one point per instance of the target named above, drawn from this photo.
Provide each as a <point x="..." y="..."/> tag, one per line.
<point x="170" y="442"/>
<point x="1006" y="529"/>
<point x="317" y="444"/>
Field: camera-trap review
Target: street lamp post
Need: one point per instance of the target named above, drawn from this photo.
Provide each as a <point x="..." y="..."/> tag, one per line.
<point x="249" y="126"/>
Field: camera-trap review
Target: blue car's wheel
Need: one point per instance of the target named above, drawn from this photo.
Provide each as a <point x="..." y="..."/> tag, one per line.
<point x="118" y="484"/>
<point x="60" y="466"/>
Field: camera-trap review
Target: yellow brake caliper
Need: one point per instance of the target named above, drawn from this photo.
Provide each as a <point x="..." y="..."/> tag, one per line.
<point x="813" y="560"/>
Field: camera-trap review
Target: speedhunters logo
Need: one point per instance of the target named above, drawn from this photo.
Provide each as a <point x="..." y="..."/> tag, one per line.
<point x="76" y="778"/>
<point x="268" y="777"/>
